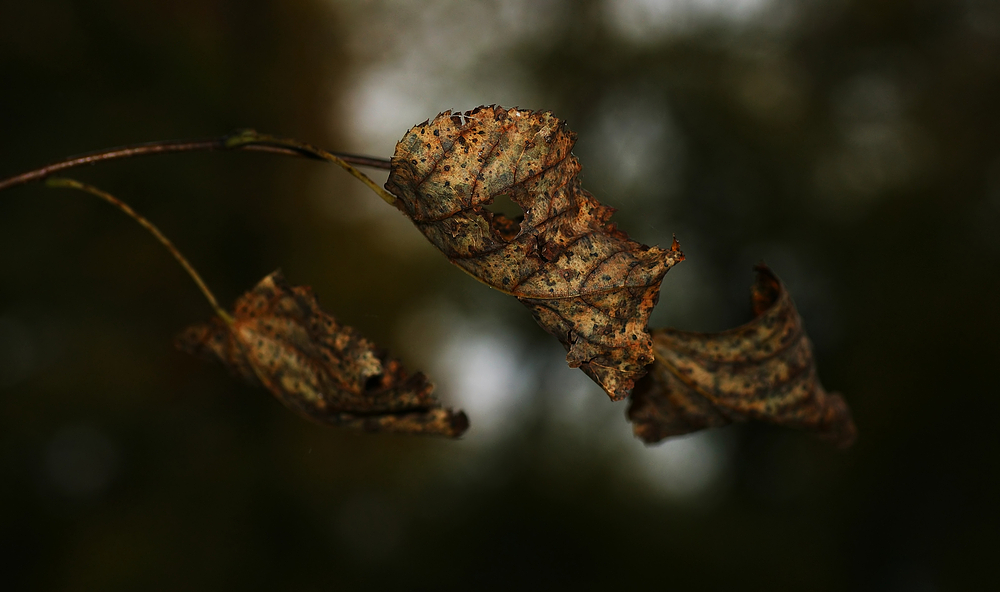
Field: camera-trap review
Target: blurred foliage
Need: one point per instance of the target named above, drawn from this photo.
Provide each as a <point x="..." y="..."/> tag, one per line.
<point x="852" y="145"/>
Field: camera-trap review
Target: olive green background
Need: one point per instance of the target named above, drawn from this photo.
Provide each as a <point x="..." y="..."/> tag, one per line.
<point x="854" y="146"/>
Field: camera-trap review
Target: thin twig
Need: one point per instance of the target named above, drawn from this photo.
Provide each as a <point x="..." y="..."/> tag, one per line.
<point x="244" y="140"/>
<point x="74" y="184"/>
<point x="252" y="138"/>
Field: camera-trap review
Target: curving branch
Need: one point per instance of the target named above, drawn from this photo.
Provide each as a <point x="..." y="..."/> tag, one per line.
<point x="242" y="140"/>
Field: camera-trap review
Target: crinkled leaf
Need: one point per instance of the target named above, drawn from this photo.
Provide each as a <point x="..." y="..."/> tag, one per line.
<point x="584" y="280"/>
<point x="762" y="370"/>
<point x="325" y="371"/>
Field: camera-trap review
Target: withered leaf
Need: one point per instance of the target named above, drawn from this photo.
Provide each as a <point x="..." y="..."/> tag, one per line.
<point x="279" y="338"/>
<point x="583" y="279"/>
<point x="762" y="370"/>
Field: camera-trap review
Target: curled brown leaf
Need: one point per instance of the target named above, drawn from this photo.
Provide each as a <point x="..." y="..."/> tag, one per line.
<point x="583" y="279"/>
<point x="762" y="370"/>
<point x="279" y="338"/>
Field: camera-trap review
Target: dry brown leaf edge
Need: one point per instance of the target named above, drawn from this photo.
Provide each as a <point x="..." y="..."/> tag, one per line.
<point x="584" y="280"/>
<point x="763" y="370"/>
<point x="281" y="339"/>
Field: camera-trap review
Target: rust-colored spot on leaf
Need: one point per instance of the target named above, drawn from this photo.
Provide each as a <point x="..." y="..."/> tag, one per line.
<point x="762" y="370"/>
<point x="583" y="279"/>
<point x="327" y="372"/>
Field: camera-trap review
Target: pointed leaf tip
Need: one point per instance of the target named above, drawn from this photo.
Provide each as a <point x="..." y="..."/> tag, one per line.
<point x="281" y="339"/>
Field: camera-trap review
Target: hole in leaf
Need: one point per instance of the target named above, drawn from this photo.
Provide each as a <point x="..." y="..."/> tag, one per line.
<point x="507" y="216"/>
<point x="503" y="204"/>
<point x="373" y="382"/>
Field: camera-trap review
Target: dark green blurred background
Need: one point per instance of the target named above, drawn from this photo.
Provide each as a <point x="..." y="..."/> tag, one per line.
<point x="853" y="146"/>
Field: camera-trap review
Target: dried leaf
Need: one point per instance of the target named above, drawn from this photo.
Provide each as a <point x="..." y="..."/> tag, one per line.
<point x="584" y="280"/>
<point x="282" y="340"/>
<point x="762" y="370"/>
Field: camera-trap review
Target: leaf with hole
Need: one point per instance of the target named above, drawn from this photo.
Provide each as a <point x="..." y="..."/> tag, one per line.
<point x="279" y="338"/>
<point x="584" y="280"/>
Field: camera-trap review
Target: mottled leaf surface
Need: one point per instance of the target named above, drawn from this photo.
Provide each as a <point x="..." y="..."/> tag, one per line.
<point x="763" y="370"/>
<point x="282" y="340"/>
<point x="583" y="279"/>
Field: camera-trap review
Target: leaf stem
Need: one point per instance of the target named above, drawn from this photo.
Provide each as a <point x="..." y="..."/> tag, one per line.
<point x="63" y="183"/>
<point x="252" y="138"/>
<point x="242" y="140"/>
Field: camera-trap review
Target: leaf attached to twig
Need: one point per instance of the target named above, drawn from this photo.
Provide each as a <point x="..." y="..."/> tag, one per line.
<point x="583" y="279"/>
<point x="762" y="370"/>
<point x="279" y="338"/>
